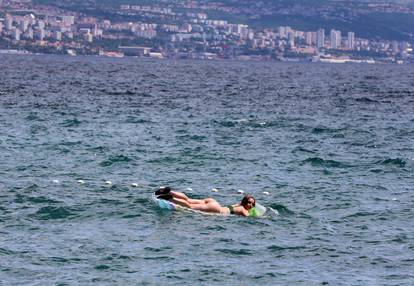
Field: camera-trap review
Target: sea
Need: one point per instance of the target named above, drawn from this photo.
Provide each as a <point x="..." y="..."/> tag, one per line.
<point x="327" y="149"/>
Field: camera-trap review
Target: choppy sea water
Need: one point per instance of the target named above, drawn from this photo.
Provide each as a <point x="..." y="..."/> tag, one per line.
<point x="332" y="145"/>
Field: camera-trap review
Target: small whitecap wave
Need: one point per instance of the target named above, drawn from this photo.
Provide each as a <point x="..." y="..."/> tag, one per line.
<point x="319" y="162"/>
<point x="366" y="100"/>
<point x="33" y="117"/>
<point x="136" y="120"/>
<point x="324" y="129"/>
<point x="50" y="213"/>
<point x="360" y="214"/>
<point x="399" y="162"/>
<point x="117" y="159"/>
<point x="277" y="248"/>
<point x="121" y="92"/>
<point x="71" y="123"/>
<point x="281" y="209"/>
<point x="236" y="252"/>
<point x="302" y="150"/>
<point x="226" y="123"/>
<point x="35" y="200"/>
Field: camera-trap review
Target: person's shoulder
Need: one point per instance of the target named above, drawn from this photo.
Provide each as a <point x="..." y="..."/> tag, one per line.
<point x="241" y="210"/>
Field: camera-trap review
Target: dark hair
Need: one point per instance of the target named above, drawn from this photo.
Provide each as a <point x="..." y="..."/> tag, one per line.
<point x="166" y="189"/>
<point x="245" y="200"/>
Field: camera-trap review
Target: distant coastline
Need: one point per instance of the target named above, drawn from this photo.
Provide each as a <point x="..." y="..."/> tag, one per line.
<point x="241" y="59"/>
<point x="212" y="31"/>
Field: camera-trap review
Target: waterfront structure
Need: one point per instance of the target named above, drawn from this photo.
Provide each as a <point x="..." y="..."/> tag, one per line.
<point x="135" y="50"/>
<point x="68" y="21"/>
<point x="148" y="34"/>
<point x="291" y="39"/>
<point x="41" y="25"/>
<point x="8" y="22"/>
<point x="351" y="40"/>
<point x="16" y="34"/>
<point x="335" y="39"/>
<point x="308" y="38"/>
<point x="320" y="39"/>
<point x="284" y="31"/>
<point x="58" y="36"/>
<point x="395" y="47"/>
<point x="24" y="25"/>
<point x="29" y="34"/>
<point x="40" y="34"/>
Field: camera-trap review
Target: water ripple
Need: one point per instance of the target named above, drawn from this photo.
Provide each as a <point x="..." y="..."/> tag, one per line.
<point x="328" y="152"/>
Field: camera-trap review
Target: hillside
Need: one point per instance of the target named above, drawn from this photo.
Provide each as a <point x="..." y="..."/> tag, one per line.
<point x="393" y="20"/>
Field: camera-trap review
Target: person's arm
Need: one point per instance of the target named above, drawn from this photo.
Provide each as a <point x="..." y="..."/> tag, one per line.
<point x="239" y="210"/>
<point x="179" y="195"/>
<point x="181" y="202"/>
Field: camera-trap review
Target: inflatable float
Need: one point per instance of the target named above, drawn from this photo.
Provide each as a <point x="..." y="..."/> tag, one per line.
<point x="257" y="211"/>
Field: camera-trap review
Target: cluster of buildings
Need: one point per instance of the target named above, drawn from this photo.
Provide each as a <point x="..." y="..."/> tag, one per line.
<point x="346" y="47"/>
<point x="190" y="35"/>
<point x="29" y="27"/>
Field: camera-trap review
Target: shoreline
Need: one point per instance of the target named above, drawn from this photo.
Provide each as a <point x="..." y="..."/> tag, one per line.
<point x="242" y="59"/>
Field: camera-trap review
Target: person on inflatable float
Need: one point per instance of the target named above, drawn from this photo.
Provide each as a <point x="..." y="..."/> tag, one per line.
<point x="206" y="205"/>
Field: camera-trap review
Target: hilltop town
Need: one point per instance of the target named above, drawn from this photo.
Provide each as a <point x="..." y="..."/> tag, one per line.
<point x="194" y="30"/>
